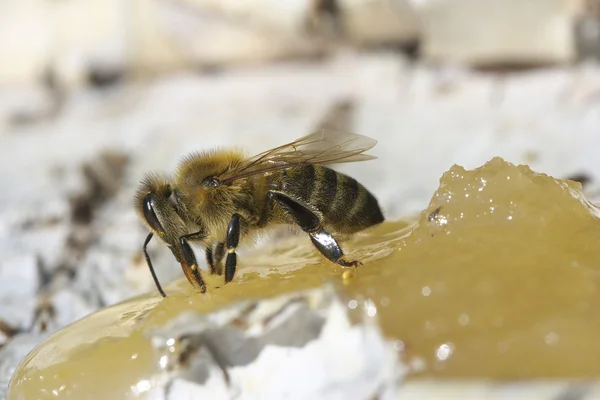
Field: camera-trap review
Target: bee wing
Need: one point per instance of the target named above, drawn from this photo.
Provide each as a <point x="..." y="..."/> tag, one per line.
<point x="321" y="147"/>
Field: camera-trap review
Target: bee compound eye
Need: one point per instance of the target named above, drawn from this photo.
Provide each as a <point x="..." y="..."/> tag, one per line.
<point x="150" y="214"/>
<point x="211" y="182"/>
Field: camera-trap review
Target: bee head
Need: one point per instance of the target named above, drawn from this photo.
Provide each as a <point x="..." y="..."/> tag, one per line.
<point x="156" y="209"/>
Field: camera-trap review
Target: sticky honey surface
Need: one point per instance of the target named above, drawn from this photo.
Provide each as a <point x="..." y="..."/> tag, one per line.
<point x="498" y="278"/>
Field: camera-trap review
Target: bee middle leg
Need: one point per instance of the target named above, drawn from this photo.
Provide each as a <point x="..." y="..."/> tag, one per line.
<point x="310" y="223"/>
<point x="210" y="261"/>
<point x="215" y="259"/>
<point x="232" y="241"/>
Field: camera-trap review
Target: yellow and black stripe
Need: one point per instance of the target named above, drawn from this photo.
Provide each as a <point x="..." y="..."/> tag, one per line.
<point x="344" y="203"/>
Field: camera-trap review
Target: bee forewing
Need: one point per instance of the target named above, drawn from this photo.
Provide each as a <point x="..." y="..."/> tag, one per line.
<point x="321" y="147"/>
<point x="324" y="147"/>
<point x="327" y="138"/>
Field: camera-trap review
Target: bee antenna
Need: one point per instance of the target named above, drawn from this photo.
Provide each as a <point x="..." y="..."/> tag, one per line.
<point x="156" y="282"/>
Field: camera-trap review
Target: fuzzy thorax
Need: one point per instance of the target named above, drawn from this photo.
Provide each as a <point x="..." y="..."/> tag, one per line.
<point x="200" y="196"/>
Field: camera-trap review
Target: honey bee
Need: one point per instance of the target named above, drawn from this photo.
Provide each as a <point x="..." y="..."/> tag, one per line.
<point x="220" y="196"/>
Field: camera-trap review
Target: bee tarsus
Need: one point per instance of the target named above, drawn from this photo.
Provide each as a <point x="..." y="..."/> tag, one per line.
<point x="329" y="247"/>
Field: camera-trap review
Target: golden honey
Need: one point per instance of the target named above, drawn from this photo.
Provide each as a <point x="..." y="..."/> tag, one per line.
<point x="498" y="279"/>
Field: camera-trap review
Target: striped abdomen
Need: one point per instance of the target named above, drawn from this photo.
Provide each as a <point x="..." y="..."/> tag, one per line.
<point x="345" y="204"/>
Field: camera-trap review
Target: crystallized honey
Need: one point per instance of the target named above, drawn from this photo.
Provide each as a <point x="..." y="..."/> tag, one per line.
<point x="498" y="278"/>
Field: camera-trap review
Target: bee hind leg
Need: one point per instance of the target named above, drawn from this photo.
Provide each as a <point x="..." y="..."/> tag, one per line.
<point x="310" y="223"/>
<point x="232" y="241"/>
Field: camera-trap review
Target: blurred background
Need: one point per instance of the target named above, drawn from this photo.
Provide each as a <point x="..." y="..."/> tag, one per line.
<point x="93" y="94"/>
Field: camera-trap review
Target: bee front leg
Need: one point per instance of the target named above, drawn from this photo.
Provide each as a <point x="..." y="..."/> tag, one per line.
<point x="232" y="241"/>
<point x="188" y="260"/>
<point x="310" y="223"/>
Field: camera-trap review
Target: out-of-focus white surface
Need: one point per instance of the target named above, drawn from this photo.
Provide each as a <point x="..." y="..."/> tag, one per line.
<point x="500" y="32"/>
<point x="71" y="39"/>
<point x="425" y="118"/>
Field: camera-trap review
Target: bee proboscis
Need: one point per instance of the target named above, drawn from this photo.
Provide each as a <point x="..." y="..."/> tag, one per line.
<point x="218" y="197"/>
